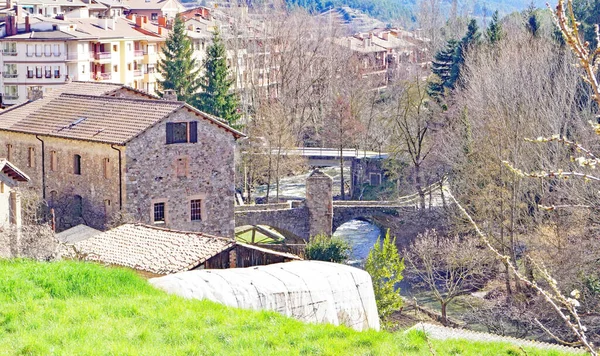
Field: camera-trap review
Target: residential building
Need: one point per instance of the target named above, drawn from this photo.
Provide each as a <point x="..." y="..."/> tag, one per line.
<point x="153" y="9"/>
<point x="98" y="152"/>
<point x="47" y="53"/>
<point x="10" y="203"/>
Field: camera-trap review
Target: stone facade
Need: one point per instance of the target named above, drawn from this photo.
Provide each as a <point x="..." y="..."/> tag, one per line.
<point x="152" y="176"/>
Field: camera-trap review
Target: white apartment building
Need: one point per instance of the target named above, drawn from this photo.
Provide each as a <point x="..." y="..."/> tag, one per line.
<point x="91" y="49"/>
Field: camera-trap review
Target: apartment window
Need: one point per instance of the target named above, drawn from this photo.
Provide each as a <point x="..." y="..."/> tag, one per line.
<point x="57" y="50"/>
<point x="129" y="66"/>
<point x="38" y="71"/>
<point x="29" y="50"/>
<point x="53" y="161"/>
<point x="10" y="70"/>
<point x="11" y="92"/>
<point x="54" y="11"/>
<point x="38" y="50"/>
<point x="48" y="71"/>
<point x="29" y="72"/>
<point x="9" y="151"/>
<point x="115" y="68"/>
<point x="56" y="71"/>
<point x="129" y="47"/>
<point x="77" y="164"/>
<point x="158" y="212"/>
<point x="47" y="50"/>
<point x="10" y="48"/>
<point x="78" y="205"/>
<point x="83" y="69"/>
<point x="196" y="210"/>
<point x="154" y="16"/>
<point x="182" y="132"/>
<point x="31" y="157"/>
<point x="106" y="168"/>
<point x="115" y="48"/>
<point x="1" y="188"/>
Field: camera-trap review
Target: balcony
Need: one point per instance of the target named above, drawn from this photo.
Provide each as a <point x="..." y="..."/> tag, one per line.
<point x="102" y="55"/>
<point x="138" y="53"/>
<point x="10" y="75"/>
<point x="103" y="76"/>
<point x="137" y="73"/>
<point x="9" y="53"/>
<point x="11" y="96"/>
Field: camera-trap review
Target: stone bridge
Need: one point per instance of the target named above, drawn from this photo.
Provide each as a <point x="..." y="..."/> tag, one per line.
<point x="319" y="213"/>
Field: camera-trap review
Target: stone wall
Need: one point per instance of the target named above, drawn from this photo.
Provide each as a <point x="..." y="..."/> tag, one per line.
<point x="151" y="176"/>
<point x="100" y="195"/>
<point x="291" y="223"/>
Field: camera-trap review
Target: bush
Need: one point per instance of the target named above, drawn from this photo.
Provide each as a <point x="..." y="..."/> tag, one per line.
<point x="325" y="248"/>
<point x="385" y="267"/>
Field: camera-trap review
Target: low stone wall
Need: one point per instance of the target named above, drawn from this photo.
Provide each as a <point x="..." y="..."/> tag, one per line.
<point x="36" y="242"/>
<point x="263" y="207"/>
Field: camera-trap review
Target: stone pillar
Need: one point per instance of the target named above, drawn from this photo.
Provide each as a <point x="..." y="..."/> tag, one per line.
<point x="319" y="202"/>
<point x="15" y="219"/>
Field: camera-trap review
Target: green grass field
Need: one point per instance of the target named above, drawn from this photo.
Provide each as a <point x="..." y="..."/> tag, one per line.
<point x="75" y="308"/>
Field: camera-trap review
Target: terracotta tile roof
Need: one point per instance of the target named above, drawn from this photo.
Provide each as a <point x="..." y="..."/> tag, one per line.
<point x="152" y="249"/>
<point x="92" y="118"/>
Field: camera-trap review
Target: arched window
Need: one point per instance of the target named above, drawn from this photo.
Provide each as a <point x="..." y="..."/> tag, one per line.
<point x="77" y="164"/>
<point x="78" y="205"/>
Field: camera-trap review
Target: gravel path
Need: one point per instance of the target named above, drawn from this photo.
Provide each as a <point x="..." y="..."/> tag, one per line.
<point x="441" y="333"/>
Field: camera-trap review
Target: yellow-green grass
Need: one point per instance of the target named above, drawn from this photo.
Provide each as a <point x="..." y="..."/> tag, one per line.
<point x="76" y="308"/>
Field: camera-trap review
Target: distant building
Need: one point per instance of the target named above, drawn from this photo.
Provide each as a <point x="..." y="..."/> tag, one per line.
<point x="10" y="204"/>
<point x="98" y="152"/>
<point x="154" y="8"/>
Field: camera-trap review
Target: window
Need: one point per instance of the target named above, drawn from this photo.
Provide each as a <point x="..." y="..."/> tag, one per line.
<point x="10" y="70"/>
<point x="56" y="71"/>
<point x="78" y="205"/>
<point x="38" y="50"/>
<point x="48" y="71"/>
<point x="129" y="47"/>
<point x="115" y="68"/>
<point x="10" y="48"/>
<point x="53" y="161"/>
<point x="182" y="166"/>
<point x="9" y="151"/>
<point x="106" y="168"/>
<point x="83" y="69"/>
<point x="374" y="178"/>
<point x="128" y="66"/>
<point x="11" y="92"/>
<point x="182" y="132"/>
<point x="196" y="210"/>
<point x="38" y="71"/>
<point x="56" y="49"/>
<point x="115" y="48"/>
<point x="77" y="164"/>
<point x="1" y="188"/>
<point x="29" y="72"/>
<point x="154" y="16"/>
<point x="30" y="50"/>
<point x="159" y="212"/>
<point x="31" y="157"/>
<point x="47" y="50"/>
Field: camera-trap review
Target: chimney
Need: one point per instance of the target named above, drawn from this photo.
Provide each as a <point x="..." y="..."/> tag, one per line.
<point x="169" y="94"/>
<point x="162" y="21"/>
<point x="35" y="93"/>
<point x="27" y="25"/>
<point x="131" y="17"/>
<point x="139" y="21"/>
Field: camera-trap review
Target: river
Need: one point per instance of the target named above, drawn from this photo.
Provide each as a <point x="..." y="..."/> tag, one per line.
<point x="361" y="236"/>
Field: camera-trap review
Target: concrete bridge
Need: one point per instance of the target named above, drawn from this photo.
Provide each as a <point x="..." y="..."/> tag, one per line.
<point x="319" y="214"/>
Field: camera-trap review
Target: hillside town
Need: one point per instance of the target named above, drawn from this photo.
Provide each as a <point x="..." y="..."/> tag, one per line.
<point x="429" y="180"/>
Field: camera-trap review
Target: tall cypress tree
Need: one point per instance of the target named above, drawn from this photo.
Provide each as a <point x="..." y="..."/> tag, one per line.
<point x="494" y="32"/>
<point x="177" y="64"/>
<point x="216" y="98"/>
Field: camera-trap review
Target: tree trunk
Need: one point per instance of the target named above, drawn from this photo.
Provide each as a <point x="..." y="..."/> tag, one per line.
<point x="419" y="186"/>
<point x="342" y="172"/>
<point x="444" y="313"/>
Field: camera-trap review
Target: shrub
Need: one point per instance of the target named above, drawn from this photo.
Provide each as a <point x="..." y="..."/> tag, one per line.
<point x="326" y="248"/>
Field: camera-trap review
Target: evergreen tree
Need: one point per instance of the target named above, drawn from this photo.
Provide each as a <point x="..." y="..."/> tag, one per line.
<point x="177" y="64"/>
<point x="470" y="39"/>
<point x="531" y="21"/>
<point x="215" y="97"/>
<point x="587" y="13"/>
<point x="441" y="66"/>
<point x="494" y="32"/>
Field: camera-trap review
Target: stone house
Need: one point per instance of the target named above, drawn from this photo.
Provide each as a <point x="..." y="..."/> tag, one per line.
<point x="100" y="153"/>
<point x="10" y="207"/>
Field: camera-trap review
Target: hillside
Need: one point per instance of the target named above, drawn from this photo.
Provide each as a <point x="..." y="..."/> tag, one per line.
<point x="79" y="308"/>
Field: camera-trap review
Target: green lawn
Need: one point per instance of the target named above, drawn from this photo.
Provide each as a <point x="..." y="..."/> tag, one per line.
<point x="75" y="308"/>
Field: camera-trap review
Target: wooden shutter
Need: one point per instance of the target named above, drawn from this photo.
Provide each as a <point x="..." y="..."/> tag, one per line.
<point x="193" y="127"/>
<point x="169" y="133"/>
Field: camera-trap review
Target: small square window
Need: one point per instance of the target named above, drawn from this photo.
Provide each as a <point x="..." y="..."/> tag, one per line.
<point x="196" y="210"/>
<point x="159" y="212"/>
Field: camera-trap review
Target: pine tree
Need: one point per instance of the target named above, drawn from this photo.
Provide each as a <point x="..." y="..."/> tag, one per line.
<point x="531" y="21"/>
<point x="216" y="98"/>
<point x="470" y="39"/>
<point x="177" y="64"/>
<point x="494" y="32"/>
<point x="441" y="66"/>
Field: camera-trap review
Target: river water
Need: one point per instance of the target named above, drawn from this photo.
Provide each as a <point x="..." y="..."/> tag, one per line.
<point x="361" y="236"/>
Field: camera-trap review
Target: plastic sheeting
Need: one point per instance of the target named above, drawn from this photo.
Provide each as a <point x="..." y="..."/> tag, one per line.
<point x="310" y="291"/>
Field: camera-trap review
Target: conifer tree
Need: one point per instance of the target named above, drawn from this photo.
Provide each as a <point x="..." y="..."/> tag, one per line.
<point x="216" y="98"/>
<point x="441" y="66"/>
<point x="470" y="39"/>
<point x="494" y="32"/>
<point x="531" y="20"/>
<point x="177" y="64"/>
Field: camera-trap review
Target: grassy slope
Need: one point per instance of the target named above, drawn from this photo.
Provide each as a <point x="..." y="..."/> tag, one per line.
<point x="75" y="308"/>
